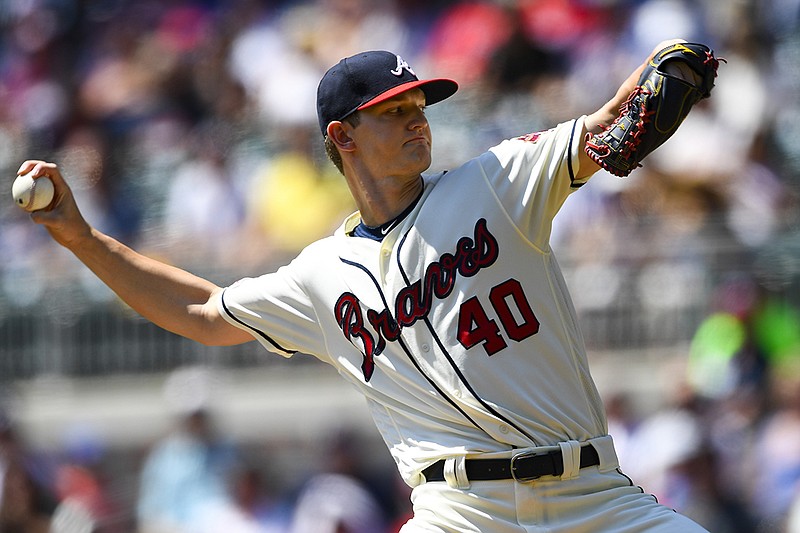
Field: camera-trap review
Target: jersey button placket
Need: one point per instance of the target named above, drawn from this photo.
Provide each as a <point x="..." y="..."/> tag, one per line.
<point x="385" y="257"/>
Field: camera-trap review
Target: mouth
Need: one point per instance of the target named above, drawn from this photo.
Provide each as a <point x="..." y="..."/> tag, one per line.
<point x="418" y="140"/>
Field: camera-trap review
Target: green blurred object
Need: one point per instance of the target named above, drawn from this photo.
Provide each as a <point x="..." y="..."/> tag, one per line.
<point x="776" y="329"/>
<point x="718" y="339"/>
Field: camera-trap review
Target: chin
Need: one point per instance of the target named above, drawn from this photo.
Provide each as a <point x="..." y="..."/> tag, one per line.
<point x="425" y="166"/>
<point x="426" y="160"/>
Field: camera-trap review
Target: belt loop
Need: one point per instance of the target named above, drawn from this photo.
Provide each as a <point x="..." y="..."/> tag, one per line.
<point x="455" y="472"/>
<point x="571" y="454"/>
<point x="606" y="452"/>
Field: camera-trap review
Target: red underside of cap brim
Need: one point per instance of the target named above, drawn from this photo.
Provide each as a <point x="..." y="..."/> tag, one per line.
<point x="435" y="90"/>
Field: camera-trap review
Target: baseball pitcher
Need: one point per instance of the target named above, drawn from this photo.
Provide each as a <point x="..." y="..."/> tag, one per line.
<point x="440" y="299"/>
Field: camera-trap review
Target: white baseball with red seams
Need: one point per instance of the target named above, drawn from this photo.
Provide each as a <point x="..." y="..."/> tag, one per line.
<point x="32" y="194"/>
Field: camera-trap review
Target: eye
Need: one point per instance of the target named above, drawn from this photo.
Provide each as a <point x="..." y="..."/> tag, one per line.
<point x="405" y="108"/>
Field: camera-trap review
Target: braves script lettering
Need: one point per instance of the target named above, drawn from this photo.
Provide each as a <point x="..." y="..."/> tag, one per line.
<point x="415" y="301"/>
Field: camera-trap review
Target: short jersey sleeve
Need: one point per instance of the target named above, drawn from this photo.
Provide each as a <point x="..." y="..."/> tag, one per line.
<point x="533" y="175"/>
<point x="276" y="310"/>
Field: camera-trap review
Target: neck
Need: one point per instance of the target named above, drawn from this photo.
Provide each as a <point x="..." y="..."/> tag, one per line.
<point x="381" y="201"/>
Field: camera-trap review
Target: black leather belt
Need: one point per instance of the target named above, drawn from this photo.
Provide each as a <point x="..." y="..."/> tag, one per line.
<point x="522" y="467"/>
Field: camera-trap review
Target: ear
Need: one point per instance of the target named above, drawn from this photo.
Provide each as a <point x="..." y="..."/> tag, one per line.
<point x="338" y="133"/>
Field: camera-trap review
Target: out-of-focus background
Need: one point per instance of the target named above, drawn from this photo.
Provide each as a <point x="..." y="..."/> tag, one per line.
<point x="187" y="129"/>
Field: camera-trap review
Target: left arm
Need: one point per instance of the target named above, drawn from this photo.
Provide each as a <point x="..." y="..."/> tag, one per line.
<point x="604" y="116"/>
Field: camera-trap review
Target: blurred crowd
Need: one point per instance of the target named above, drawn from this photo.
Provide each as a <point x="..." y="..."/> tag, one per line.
<point x="187" y="129"/>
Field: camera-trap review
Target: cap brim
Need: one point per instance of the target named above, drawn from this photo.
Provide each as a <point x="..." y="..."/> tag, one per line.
<point x="435" y="90"/>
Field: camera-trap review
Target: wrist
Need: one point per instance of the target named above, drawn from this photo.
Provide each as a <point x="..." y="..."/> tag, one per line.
<point x="76" y="238"/>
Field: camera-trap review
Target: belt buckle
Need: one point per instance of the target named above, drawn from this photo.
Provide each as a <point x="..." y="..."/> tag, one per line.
<point x="527" y="455"/>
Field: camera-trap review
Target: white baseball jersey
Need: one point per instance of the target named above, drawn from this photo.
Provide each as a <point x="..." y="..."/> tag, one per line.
<point x="457" y="327"/>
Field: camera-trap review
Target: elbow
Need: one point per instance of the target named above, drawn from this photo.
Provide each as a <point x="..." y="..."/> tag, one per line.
<point x="207" y="340"/>
<point x="219" y="333"/>
<point x="207" y="326"/>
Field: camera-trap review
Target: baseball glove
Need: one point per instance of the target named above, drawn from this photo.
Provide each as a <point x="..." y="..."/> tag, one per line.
<point x="675" y="79"/>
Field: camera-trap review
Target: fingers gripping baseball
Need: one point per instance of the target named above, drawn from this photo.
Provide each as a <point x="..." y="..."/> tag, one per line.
<point x="61" y="217"/>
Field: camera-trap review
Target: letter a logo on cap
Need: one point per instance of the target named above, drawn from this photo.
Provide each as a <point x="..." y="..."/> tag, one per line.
<point x="401" y="64"/>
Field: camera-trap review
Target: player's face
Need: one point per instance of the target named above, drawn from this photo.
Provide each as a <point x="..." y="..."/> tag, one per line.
<point x="394" y="137"/>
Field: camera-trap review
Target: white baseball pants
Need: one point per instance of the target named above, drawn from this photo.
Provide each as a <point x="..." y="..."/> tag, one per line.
<point x="597" y="499"/>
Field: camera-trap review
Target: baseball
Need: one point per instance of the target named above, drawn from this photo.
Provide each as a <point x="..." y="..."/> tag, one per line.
<point x="32" y="194"/>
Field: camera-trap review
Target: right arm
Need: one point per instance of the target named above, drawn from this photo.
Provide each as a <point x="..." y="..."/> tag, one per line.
<point x="171" y="298"/>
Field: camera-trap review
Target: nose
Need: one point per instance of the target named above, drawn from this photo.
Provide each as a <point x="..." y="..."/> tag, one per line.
<point x="418" y="121"/>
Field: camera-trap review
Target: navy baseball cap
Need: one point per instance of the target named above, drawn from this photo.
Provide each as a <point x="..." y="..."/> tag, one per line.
<point x="369" y="78"/>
